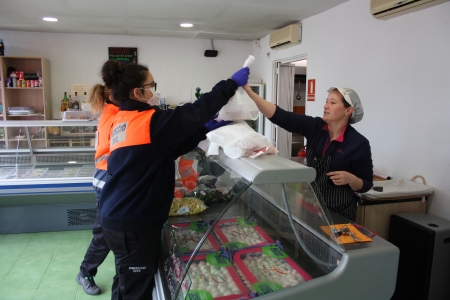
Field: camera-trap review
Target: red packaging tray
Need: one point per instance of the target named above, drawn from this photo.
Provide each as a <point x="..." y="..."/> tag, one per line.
<point x="189" y="234"/>
<point x="266" y="269"/>
<point x="218" y="280"/>
<point x="231" y="232"/>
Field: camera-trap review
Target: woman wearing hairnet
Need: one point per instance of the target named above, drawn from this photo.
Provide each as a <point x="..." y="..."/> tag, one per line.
<point x="341" y="155"/>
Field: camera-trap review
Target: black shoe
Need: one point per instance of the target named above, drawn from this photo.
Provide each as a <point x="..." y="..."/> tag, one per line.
<point x="88" y="284"/>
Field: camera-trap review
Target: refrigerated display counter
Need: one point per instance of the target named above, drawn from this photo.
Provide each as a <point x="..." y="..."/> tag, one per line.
<point x="46" y="170"/>
<point x="266" y="234"/>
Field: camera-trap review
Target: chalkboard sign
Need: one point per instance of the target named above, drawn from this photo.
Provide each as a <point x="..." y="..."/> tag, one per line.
<point x="122" y="54"/>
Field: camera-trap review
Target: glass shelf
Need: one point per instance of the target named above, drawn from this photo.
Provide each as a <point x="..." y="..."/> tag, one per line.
<point x="35" y="136"/>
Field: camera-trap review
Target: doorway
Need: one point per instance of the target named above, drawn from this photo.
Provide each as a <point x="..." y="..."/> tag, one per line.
<point x="298" y="140"/>
<point x="296" y="101"/>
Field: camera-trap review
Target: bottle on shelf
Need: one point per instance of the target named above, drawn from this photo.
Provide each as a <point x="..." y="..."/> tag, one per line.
<point x="69" y="102"/>
<point x="76" y="99"/>
<point x="64" y="102"/>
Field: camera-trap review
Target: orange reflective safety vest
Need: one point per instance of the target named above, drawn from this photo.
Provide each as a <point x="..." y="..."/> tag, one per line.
<point x="103" y="135"/>
<point x="131" y="128"/>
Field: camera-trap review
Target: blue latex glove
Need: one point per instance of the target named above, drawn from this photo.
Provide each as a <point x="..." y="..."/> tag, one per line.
<point x="241" y="76"/>
<point x="213" y="124"/>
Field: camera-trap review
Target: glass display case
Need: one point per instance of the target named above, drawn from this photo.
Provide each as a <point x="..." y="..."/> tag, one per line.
<point x="244" y="228"/>
<point x="46" y="171"/>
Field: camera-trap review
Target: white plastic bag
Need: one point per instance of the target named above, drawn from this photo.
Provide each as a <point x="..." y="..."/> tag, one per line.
<point x="238" y="140"/>
<point x="240" y="107"/>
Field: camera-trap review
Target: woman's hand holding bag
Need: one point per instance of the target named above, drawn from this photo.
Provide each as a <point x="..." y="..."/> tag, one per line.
<point x="241" y="106"/>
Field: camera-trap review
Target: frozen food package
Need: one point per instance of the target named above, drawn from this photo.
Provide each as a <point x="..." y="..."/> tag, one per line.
<point x="186" y="206"/>
<point x="238" y="233"/>
<point x="189" y="234"/>
<point x="209" y="195"/>
<point x="267" y="269"/>
<point x="213" y="277"/>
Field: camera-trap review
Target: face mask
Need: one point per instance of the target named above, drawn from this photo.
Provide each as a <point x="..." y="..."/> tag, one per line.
<point x="155" y="100"/>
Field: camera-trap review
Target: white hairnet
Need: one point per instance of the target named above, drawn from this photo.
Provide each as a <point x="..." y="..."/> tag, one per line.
<point x="352" y="98"/>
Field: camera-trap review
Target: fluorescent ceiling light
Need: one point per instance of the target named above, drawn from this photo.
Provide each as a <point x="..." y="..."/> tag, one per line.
<point x="71" y="162"/>
<point x="186" y="25"/>
<point x="50" y="19"/>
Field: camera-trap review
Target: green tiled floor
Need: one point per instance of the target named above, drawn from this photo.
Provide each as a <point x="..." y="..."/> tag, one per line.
<point x="44" y="266"/>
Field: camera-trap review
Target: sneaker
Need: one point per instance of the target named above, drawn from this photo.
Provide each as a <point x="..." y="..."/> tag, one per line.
<point x="88" y="284"/>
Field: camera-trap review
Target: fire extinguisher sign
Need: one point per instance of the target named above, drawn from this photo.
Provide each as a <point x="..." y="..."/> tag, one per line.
<point x="311" y="89"/>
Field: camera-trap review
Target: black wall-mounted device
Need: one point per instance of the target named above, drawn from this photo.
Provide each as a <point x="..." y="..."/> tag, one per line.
<point x="211" y="53"/>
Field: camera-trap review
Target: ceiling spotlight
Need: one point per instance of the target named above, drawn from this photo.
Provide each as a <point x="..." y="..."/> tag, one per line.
<point x="186" y="25"/>
<point x="50" y="19"/>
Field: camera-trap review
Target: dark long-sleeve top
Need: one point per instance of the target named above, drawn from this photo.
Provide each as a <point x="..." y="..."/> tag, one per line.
<point x="140" y="190"/>
<point x="353" y="154"/>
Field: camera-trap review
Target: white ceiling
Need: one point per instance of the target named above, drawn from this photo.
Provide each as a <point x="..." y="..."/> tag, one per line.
<point x="212" y="19"/>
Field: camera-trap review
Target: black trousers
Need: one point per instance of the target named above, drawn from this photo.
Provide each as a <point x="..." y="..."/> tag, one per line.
<point x="97" y="251"/>
<point x="136" y="255"/>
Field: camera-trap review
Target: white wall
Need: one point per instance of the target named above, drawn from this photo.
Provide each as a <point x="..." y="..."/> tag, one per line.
<point x="178" y="65"/>
<point x="401" y="71"/>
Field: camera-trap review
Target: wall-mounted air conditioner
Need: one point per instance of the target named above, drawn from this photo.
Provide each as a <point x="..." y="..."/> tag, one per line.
<point x="386" y="9"/>
<point x="285" y="37"/>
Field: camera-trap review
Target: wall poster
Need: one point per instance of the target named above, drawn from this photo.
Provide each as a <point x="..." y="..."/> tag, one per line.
<point x="123" y="54"/>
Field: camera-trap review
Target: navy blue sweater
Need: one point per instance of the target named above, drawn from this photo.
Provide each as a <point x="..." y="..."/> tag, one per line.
<point x="352" y="155"/>
<point x="139" y="192"/>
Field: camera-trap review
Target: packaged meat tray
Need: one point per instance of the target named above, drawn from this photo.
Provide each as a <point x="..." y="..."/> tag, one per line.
<point x="81" y="115"/>
<point x="16" y="173"/>
<point x="267" y="269"/>
<point x="188" y="236"/>
<point x="70" y="172"/>
<point x="213" y="277"/>
<point x="238" y="233"/>
<point x="37" y="172"/>
<point x="52" y="174"/>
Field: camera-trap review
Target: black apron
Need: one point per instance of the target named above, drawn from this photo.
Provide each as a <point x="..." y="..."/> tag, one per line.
<point x="338" y="198"/>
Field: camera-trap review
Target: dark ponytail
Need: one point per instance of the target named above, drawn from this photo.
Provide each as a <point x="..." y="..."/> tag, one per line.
<point x="123" y="78"/>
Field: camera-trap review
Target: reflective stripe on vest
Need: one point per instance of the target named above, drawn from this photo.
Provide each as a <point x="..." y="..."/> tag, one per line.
<point x="103" y="135"/>
<point x="101" y="162"/>
<point x="98" y="183"/>
<point x="131" y="128"/>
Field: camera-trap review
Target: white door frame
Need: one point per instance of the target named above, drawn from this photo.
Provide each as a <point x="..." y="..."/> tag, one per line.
<point x="275" y="65"/>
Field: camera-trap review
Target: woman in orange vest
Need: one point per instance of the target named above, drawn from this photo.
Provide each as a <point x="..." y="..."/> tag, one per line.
<point x="145" y="141"/>
<point x="101" y="101"/>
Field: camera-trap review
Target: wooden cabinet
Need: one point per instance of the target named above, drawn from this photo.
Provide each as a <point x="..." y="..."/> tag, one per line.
<point x="38" y="98"/>
<point x="2" y="109"/>
<point x="375" y="214"/>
